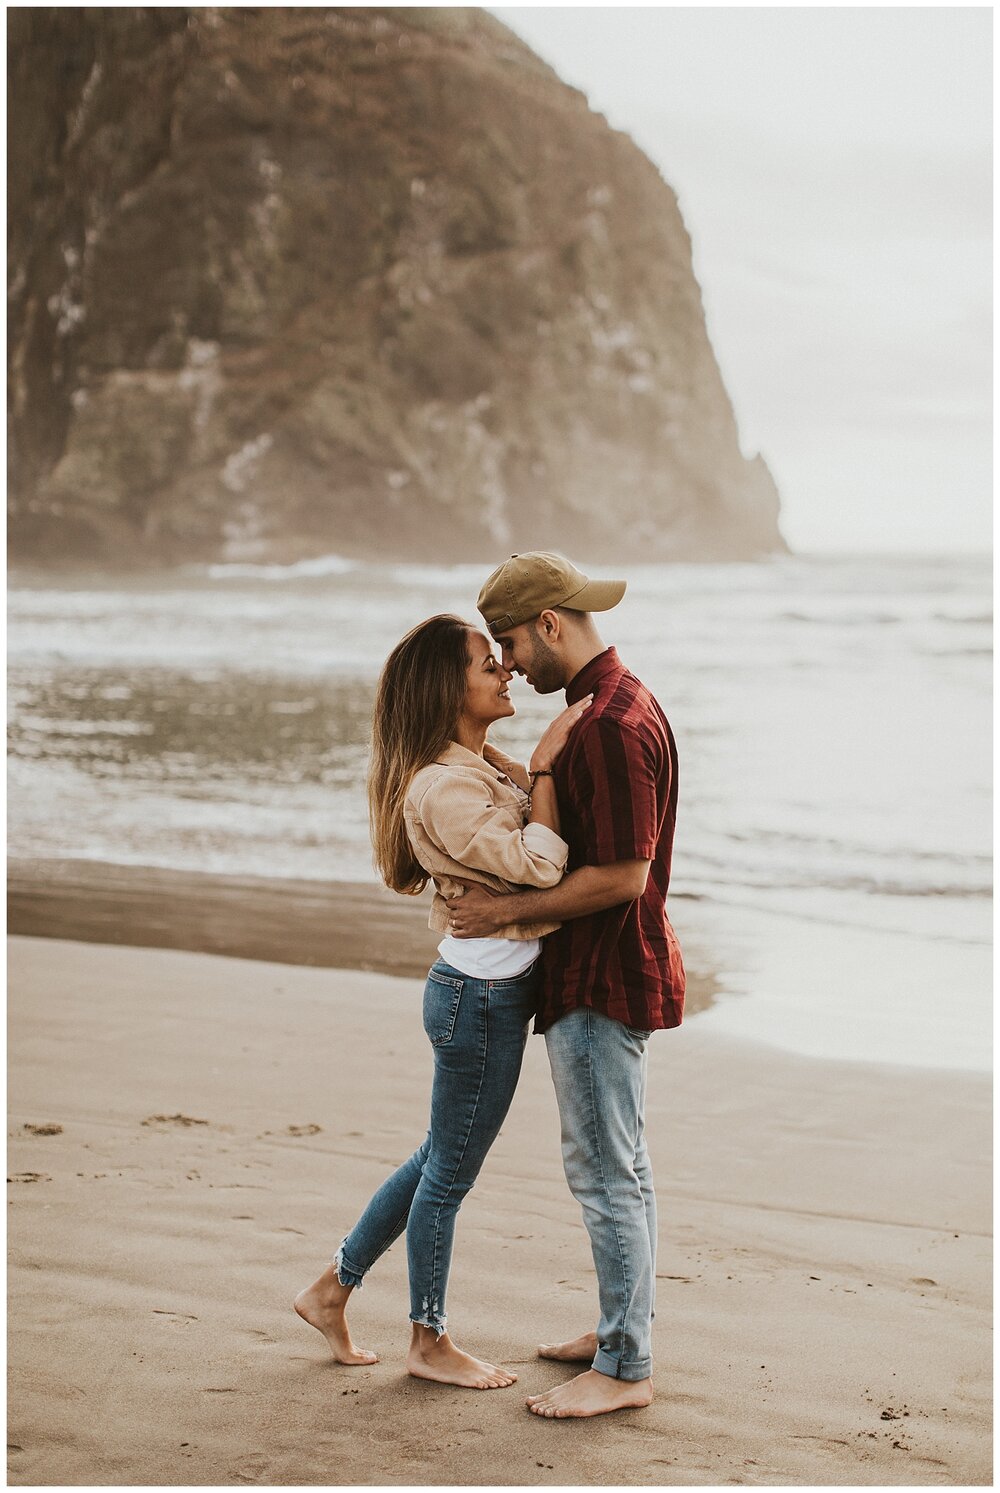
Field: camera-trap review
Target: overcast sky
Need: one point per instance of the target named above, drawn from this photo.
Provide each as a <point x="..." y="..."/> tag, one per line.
<point x="833" y="167"/>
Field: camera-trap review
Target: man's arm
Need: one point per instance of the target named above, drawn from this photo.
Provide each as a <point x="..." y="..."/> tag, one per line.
<point x="479" y="913"/>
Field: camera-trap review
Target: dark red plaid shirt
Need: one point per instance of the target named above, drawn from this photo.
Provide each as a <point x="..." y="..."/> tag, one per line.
<point x="616" y="780"/>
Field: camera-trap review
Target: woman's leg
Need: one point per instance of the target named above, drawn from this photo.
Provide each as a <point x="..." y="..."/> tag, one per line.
<point x="323" y="1304"/>
<point x="478" y="1029"/>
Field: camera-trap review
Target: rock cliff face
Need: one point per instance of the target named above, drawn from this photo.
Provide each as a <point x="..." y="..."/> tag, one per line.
<point x="292" y="281"/>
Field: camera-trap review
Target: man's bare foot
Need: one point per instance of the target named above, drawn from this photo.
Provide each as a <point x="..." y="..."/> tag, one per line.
<point x="323" y="1306"/>
<point x="591" y="1393"/>
<point x="438" y="1359"/>
<point x="578" y="1350"/>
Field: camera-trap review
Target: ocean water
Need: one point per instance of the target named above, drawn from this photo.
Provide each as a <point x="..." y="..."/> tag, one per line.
<point x="832" y="717"/>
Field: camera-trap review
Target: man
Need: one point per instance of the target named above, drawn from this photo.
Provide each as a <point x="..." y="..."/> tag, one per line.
<point x="613" y="972"/>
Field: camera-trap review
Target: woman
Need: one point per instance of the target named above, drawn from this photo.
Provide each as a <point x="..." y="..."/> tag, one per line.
<point x="447" y="806"/>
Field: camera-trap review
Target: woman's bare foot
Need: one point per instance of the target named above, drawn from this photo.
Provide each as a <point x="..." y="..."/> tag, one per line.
<point x="578" y="1350"/>
<point x="323" y="1306"/>
<point x="591" y="1393"/>
<point x="437" y="1358"/>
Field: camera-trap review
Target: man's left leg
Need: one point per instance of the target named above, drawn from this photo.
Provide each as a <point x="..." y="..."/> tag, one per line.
<point x="598" y="1070"/>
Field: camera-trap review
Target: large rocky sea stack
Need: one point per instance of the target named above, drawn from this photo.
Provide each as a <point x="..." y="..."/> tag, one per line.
<point x="374" y="281"/>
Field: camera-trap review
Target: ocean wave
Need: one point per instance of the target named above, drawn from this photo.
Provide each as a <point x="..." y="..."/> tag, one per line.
<point x="845" y="619"/>
<point x="322" y="565"/>
<point x="819" y="880"/>
<point x="463" y="575"/>
<point x="832" y="916"/>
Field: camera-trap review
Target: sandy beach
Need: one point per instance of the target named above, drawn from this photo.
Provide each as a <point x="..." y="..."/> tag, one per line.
<point x="191" y="1135"/>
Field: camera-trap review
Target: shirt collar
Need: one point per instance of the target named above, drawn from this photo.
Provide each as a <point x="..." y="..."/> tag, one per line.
<point x="590" y="676"/>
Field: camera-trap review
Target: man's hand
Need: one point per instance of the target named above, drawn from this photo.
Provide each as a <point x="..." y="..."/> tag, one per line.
<point x="477" y="914"/>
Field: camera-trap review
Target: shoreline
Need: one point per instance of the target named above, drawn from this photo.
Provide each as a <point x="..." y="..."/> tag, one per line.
<point x="334" y="925"/>
<point x="192" y="1134"/>
<point x="326" y="924"/>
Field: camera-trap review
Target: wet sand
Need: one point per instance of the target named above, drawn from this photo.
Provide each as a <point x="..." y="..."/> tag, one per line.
<point x="192" y="1134"/>
<point x="337" y="924"/>
<point x="329" y="924"/>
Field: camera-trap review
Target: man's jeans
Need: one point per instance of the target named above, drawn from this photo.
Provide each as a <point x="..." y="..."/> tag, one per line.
<point x="478" y="1029"/>
<point x="599" y="1072"/>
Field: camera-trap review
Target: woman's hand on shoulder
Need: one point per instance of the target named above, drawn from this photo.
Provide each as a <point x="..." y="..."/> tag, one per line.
<point x="556" y="734"/>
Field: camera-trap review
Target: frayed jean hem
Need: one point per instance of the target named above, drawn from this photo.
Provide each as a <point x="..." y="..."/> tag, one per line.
<point x="439" y="1325"/>
<point x="346" y="1273"/>
<point x="605" y="1364"/>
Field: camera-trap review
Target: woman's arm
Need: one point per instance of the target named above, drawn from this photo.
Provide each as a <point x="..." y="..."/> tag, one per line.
<point x="544" y="805"/>
<point x="459" y="815"/>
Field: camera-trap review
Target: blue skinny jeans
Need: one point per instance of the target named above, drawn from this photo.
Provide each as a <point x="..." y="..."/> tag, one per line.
<point x="478" y="1029"/>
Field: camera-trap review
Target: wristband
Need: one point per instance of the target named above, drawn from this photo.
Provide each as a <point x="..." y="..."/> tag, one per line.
<point x="543" y="772"/>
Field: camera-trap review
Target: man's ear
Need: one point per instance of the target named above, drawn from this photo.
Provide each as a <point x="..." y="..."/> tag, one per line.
<point x="549" y="625"/>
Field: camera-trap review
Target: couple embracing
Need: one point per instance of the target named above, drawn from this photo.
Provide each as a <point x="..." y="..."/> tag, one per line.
<point x="550" y="889"/>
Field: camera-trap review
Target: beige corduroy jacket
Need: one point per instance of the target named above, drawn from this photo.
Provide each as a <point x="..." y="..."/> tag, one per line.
<point x="465" y="819"/>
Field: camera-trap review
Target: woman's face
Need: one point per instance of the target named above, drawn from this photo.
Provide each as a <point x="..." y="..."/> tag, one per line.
<point x="487" y="697"/>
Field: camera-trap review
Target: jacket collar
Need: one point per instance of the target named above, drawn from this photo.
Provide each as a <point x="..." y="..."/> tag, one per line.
<point x="603" y="666"/>
<point x="494" y="762"/>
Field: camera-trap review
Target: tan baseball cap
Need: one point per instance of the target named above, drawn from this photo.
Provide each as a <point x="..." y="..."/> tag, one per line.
<point x="525" y="585"/>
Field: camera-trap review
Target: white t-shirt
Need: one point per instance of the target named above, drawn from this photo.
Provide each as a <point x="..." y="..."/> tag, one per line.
<point x="490" y="958"/>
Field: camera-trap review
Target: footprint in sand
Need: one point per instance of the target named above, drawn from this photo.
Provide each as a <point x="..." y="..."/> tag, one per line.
<point x="309" y="1129"/>
<point x="174" y="1319"/>
<point x="253" y="1469"/>
<point x="30" y="1177"/>
<point x="172" y="1120"/>
<point x="43" y="1129"/>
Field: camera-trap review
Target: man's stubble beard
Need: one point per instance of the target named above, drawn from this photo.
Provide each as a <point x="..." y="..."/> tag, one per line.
<point x="547" y="673"/>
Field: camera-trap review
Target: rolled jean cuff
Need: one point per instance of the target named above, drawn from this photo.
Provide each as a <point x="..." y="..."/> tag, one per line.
<point x="605" y="1364"/>
<point x="346" y="1272"/>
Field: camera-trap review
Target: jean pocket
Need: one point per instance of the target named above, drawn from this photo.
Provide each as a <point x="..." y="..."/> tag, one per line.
<point x="442" y="994"/>
<point x="638" y="1033"/>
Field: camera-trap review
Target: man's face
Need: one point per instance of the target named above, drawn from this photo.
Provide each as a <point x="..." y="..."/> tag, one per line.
<point x="526" y="652"/>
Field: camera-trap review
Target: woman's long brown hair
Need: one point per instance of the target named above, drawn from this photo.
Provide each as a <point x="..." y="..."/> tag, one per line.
<point x="418" y="700"/>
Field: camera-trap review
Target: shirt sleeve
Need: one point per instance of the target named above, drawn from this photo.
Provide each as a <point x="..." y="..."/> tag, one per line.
<point x="459" y="814"/>
<point x="618" y="793"/>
